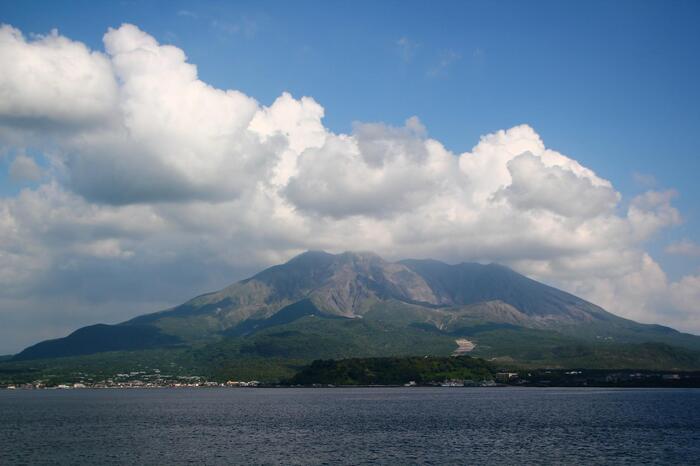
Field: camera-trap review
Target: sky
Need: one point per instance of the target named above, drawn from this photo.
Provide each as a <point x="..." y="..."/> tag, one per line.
<point x="152" y="151"/>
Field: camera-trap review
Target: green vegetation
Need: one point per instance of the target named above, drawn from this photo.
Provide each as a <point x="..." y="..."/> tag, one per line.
<point x="278" y="352"/>
<point x="95" y="366"/>
<point x="269" y="355"/>
<point x="314" y="337"/>
<point x="538" y="348"/>
<point x="204" y="362"/>
<point x="106" y="337"/>
<point x="393" y="371"/>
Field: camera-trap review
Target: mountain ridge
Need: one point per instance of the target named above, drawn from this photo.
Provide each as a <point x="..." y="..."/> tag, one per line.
<point x="447" y="301"/>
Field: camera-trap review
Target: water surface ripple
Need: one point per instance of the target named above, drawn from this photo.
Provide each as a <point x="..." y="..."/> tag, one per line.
<point x="350" y="426"/>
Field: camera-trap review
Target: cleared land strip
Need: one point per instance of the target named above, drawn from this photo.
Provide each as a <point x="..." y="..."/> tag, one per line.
<point x="463" y="346"/>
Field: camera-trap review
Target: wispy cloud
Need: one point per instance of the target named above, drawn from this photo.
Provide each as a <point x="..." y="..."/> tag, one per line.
<point x="445" y="61"/>
<point x="684" y="247"/>
<point x="644" y="180"/>
<point x="245" y="26"/>
<point x="407" y="49"/>
<point x="187" y="14"/>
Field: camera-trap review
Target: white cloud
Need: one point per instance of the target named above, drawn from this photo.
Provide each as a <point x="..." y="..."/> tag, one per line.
<point x="684" y="247"/>
<point x="298" y="122"/>
<point x="165" y="136"/>
<point x="162" y="186"/>
<point x="53" y="82"/>
<point x="685" y="299"/>
<point x="377" y="171"/>
<point x="652" y="211"/>
<point x="556" y="189"/>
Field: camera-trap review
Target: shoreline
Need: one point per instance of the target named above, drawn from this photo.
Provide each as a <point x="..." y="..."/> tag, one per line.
<point x="330" y="387"/>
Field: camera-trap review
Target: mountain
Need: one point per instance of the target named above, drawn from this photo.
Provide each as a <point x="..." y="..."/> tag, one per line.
<point x="356" y="304"/>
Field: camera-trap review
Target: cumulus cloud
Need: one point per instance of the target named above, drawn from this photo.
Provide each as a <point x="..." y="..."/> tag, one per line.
<point x="377" y="171"/>
<point x="160" y="186"/>
<point x="556" y="189"/>
<point x="53" y="82"/>
<point x="652" y="211"/>
<point x="138" y="126"/>
<point x="685" y="298"/>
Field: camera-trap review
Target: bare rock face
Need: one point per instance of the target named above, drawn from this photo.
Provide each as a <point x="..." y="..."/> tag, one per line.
<point x="352" y="283"/>
<point x="360" y="279"/>
<point x="346" y="284"/>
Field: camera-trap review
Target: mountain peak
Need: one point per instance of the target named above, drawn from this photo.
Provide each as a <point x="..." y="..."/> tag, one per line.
<point x="348" y="283"/>
<point x="361" y="255"/>
<point x="312" y="255"/>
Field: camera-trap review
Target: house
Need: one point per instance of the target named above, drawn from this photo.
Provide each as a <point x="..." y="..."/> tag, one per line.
<point x="505" y="377"/>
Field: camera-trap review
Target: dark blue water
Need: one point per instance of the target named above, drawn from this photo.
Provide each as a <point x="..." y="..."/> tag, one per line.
<point x="350" y="426"/>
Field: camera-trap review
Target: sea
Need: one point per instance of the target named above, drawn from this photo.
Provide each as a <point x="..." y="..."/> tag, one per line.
<point x="511" y="426"/>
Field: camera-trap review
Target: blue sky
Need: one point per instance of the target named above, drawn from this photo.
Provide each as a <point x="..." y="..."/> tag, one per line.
<point x="613" y="85"/>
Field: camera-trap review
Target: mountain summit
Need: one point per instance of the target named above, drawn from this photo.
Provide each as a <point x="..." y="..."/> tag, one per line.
<point x="356" y="303"/>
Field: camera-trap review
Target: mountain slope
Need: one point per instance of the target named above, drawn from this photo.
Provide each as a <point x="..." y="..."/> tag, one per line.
<point x="471" y="288"/>
<point x="305" y="308"/>
<point x="470" y="283"/>
<point x="105" y="337"/>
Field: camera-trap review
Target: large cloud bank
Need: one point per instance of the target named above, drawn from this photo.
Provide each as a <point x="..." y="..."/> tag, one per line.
<point x="155" y="181"/>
